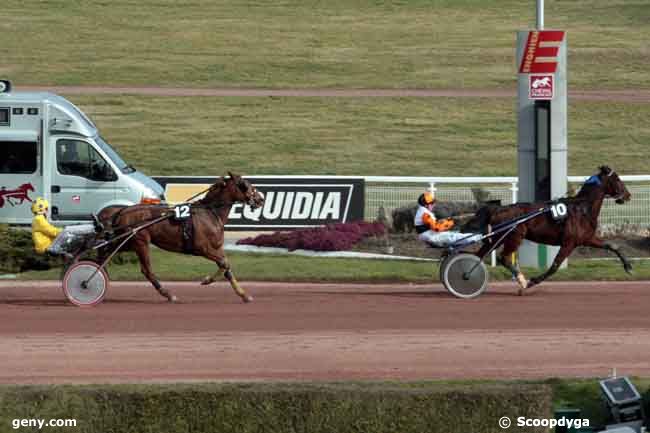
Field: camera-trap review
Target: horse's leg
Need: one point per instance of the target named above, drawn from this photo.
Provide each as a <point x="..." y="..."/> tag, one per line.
<point x="486" y="246"/>
<point x="563" y="253"/>
<point x="224" y="267"/>
<point x="599" y="243"/>
<point x="504" y="259"/>
<point x="506" y="262"/>
<point x="510" y="246"/>
<point x="142" y="250"/>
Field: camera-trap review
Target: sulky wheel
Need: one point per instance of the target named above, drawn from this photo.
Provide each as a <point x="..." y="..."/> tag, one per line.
<point x="464" y="275"/>
<point x="68" y="263"/>
<point x="85" y="283"/>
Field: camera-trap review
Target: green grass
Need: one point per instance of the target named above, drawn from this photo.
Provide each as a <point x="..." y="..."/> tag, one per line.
<point x="339" y="43"/>
<point x="265" y="267"/>
<point x="354" y="136"/>
<point x="432" y="406"/>
<point x="299" y="407"/>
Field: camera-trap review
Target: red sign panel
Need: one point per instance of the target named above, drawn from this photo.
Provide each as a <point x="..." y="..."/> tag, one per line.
<point x="540" y="54"/>
<point x="540" y="86"/>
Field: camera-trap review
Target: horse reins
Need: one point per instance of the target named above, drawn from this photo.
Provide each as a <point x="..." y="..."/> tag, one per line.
<point x="212" y="207"/>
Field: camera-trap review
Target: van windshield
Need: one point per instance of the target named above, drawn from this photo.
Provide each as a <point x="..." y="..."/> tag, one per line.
<point x="112" y="154"/>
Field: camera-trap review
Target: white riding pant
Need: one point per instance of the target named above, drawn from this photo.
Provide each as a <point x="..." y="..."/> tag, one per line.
<point x="443" y="239"/>
<point x="68" y="236"/>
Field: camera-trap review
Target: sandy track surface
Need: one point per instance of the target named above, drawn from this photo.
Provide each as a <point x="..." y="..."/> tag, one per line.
<point x="323" y="332"/>
<point x="633" y="95"/>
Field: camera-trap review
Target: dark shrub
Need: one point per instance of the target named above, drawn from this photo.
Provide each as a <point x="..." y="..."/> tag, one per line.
<point x="17" y="252"/>
<point x="403" y="218"/>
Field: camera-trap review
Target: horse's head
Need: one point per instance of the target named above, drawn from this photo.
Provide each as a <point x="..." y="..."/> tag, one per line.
<point x="613" y="185"/>
<point x="245" y="192"/>
<point x="233" y="190"/>
<point x="26" y="187"/>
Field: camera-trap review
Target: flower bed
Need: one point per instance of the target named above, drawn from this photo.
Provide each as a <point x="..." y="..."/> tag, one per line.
<point x="333" y="237"/>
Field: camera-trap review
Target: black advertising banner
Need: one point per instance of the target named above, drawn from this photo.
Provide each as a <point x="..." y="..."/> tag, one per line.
<point x="289" y="202"/>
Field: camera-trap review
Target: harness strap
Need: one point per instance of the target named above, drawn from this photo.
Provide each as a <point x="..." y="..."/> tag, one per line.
<point x="187" y="232"/>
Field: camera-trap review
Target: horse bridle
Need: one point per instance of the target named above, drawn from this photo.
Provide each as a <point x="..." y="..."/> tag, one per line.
<point x="250" y="201"/>
<point x="621" y="194"/>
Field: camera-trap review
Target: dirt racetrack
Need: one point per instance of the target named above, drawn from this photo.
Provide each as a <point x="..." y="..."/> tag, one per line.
<point x="299" y="331"/>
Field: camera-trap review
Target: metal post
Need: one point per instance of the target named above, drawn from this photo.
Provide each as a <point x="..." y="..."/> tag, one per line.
<point x="540" y="14"/>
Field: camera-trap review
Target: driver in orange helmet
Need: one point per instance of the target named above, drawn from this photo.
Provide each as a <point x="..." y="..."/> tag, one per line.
<point x="436" y="232"/>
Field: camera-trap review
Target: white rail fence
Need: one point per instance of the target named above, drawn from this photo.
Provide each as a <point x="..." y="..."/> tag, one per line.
<point x="393" y="192"/>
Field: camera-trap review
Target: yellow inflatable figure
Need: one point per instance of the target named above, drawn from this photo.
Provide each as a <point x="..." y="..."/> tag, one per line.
<point x="43" y="233"/>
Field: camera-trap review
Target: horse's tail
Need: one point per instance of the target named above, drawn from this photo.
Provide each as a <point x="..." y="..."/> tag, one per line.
<point x="480" y="221"/>
<point x="109" y="216"/>
<point x="115" y="216"/>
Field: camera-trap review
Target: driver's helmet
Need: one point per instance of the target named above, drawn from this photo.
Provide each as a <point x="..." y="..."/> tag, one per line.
<point x="426" y="199"/>
<point x="40" y="206"/>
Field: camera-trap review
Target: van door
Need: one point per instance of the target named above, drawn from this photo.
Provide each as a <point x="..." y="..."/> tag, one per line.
<point x="83" y="181"/>
<point x="20" y="178"/>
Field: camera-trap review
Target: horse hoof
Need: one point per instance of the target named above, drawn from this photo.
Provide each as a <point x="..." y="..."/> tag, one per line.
<point x="521" y="280"/>
<point x="247" y="299"/>
<point x="206" y="281"/>
<point x="628" y="269"/>
<point x="172" y="299"/>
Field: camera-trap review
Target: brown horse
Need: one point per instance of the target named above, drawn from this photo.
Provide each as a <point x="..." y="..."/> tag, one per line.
<point x="208" y="216"/>
<point x="577" y="229"/>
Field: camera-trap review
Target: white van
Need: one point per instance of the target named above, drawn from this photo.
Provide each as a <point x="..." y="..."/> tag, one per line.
<point x="50" y="149"/>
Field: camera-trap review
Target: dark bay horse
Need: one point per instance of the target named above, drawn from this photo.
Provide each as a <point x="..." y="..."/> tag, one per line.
<point x="209" y="215"/>
<point x="577" y="229"/>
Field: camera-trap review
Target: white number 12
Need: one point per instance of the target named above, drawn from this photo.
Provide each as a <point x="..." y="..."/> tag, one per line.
<point x="182" y="211"/>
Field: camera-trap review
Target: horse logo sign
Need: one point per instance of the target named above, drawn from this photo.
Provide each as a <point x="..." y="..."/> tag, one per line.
<point x="540" y="86"/>
<point x="18" y="195"/>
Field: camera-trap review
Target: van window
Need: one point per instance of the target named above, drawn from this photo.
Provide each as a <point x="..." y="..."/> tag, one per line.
<point x="18" y="157"/>
<point x="79" y="158"/>
<point x="112" y="154"/>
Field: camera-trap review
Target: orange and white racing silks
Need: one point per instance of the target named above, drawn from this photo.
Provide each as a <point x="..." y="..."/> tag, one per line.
<point x="437" y="232"/>
<point x="426" y="220"/>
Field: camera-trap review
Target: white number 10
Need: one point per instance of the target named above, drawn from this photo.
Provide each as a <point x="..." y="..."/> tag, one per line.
<point x="559" y="210"/>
